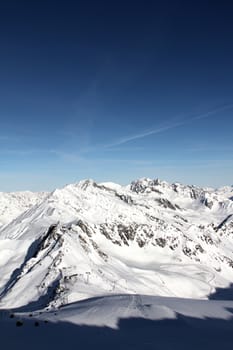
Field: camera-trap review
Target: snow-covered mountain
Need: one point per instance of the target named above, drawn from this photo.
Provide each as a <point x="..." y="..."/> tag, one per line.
<point x="14" y="203"/>
<point x="89" y="239"/>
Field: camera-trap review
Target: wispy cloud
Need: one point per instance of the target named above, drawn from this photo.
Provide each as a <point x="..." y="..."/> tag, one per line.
<point x="79" y="152"/>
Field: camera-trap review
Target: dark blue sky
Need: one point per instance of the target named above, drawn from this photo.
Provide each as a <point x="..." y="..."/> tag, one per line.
<point x="115" y="90"/>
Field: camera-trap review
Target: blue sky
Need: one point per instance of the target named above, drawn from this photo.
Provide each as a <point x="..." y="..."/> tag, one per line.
<point x="115" y="90"/>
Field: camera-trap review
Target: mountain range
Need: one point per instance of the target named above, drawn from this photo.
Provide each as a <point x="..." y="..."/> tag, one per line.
<point x="88" y="240"/>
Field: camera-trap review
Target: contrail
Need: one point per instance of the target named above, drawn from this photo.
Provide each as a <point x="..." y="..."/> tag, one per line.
<point x="126" y="139"/>
<point x="154" y="131"/>
<point x="214" y="111"/>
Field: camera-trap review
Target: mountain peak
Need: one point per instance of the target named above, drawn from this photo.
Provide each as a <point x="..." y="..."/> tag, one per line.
<point x="145" y="184"/>
<point x="84" y="184"/>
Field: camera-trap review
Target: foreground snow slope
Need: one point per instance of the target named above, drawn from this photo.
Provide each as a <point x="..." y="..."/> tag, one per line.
<point x="91" y="239"/>
<point x="122" y="321"/>
<point x="108" y="310"/>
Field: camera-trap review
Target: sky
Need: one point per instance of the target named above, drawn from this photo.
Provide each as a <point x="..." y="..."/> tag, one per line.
<point x="115" y="91"/>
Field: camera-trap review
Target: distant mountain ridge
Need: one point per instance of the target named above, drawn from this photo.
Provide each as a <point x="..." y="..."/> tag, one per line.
<point x="13" y="204"/>
<point x="90" y="239"/>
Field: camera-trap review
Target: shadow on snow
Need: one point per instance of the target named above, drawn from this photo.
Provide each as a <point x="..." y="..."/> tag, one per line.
<point x="222" y="294"/>
<point x="136" y="333"/>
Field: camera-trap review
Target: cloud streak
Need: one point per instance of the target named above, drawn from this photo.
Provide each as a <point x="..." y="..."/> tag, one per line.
<point x="214" y="111"/>
<point x="134" y="137"/>
<point x="169" y="126"/>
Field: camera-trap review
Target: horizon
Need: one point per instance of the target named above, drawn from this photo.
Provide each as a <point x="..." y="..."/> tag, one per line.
<point x="115" y="92"/>
<point x="49" y="190"/>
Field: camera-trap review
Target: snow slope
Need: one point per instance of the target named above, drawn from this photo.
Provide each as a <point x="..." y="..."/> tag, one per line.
<point x="108" y="310"/>
<point x="122" y="321"/>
